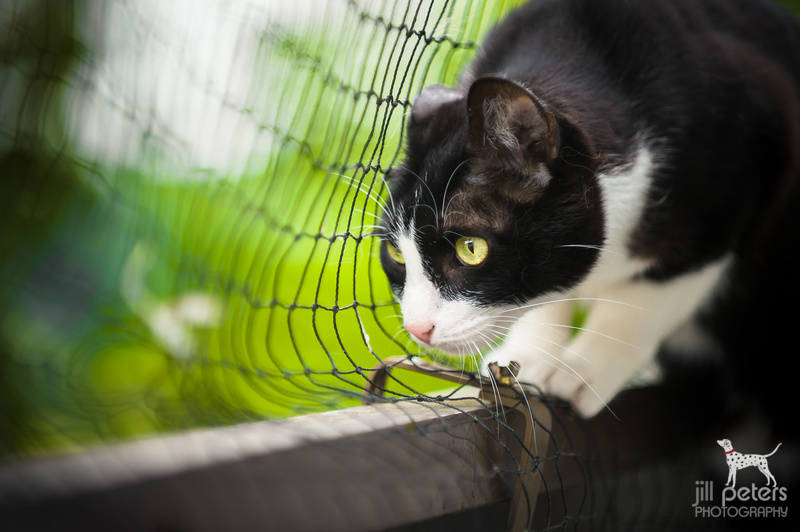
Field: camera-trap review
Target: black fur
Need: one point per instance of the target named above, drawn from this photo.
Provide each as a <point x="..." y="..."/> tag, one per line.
<point x="711" y="85"/>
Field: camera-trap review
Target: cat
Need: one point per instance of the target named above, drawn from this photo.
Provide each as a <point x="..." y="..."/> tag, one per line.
<point x="639" y="158"/>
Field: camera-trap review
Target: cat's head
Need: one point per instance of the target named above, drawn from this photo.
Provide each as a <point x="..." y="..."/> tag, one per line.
<point x="495" y="206"/>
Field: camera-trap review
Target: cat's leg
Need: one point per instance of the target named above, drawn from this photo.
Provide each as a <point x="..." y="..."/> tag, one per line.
<point x="622" y="333"/>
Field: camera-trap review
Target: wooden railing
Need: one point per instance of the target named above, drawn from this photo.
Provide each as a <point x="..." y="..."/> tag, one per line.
<point x="465" y="463"/>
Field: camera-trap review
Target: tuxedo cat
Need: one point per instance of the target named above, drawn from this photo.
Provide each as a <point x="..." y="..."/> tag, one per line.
<point x="639" y="158"/>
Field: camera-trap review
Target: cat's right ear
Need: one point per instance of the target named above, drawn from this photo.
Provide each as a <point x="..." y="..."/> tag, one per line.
<point x="507" y="123"/>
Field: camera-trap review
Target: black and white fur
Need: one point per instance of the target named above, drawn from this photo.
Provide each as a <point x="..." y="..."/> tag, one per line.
<point x="640" y="157"/>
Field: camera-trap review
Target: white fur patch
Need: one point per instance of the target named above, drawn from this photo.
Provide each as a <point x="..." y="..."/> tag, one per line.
<point x="624" y="200"/>
<point x="459" y="326"/>
<point x="421" y="301"/>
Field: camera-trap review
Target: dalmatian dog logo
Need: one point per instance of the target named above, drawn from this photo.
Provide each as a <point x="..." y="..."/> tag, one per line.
<point x="737" y="461"/>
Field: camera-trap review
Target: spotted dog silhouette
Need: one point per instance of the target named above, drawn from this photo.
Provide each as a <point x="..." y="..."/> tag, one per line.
<point x="737" y="461"/>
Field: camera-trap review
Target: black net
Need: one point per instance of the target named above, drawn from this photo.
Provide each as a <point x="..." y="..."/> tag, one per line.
<point x="188" y="198"/>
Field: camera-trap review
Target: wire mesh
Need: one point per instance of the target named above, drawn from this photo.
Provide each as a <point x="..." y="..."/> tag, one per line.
<point x="186" y="212"/>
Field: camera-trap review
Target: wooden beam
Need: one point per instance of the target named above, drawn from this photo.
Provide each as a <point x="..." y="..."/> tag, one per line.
<point x="366" y="468"/>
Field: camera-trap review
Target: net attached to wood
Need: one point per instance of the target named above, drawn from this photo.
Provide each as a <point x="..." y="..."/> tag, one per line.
<point x="187" y="208"/>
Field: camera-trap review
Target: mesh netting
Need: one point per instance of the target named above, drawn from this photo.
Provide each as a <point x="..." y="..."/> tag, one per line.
<point x="188" y="205"/>
<point x="188" y="196"/>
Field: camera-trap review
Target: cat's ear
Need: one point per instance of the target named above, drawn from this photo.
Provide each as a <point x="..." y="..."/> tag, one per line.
<point x="430" y="100"/>
<point x="507" y="121"/>
<point x="431" y="118"/>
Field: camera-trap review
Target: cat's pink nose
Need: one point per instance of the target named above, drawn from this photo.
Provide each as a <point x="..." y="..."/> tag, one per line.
<point x="421" y="332"/>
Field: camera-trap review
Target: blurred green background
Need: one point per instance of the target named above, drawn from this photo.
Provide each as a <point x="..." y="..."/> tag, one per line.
<point x="186" y="205"/>
<point x="186" y="201"/>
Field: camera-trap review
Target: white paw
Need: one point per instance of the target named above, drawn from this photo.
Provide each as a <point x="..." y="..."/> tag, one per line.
<point x="567" y="377"/>
<point x="499" y="356"/>
<point x="578" y="385"/>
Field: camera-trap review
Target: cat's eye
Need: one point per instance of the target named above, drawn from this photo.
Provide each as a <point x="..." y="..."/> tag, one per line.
<point x="472" y="250"/>
<point x="394" y="253"/>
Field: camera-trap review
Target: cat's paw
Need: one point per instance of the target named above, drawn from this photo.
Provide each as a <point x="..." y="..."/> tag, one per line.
<point x="498" y="357"/>
<point x="571" y="380"/>
<point x="587" y="392"/>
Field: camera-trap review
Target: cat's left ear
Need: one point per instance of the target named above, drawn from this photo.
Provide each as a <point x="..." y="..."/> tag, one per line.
<point x="508" y="121"/>
<point x="429" y="120"/>
<point x="430" y="100"/>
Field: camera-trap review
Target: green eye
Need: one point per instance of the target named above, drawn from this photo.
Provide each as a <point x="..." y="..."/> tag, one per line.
<point x="471" y="250"/>
<point x="394" y="253"/>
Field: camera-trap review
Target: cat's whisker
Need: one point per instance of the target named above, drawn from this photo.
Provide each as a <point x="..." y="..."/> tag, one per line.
<point x="464" y="349"/>
<point x="367" y="213"/>
<point x="400" y="330"/>
<point x="447" y="208"/>
<point x="540" y="303"/>
<point x="428" y="207"/>
<point x="424" y="226"/>
<point x="571" y="372"/>
<point x="454" y="212"/>
<point x="361" y="187"/>
<point x="379" y="236"/>
<point x="530" y="411"/>
<point x="447" y="187"/>
<point x="598" y="248"/>
<point x="398" y="340"/>
<point x="385" y="185"/>
<point x="451" y="244"/>
<point x="552" y="326"/>
<point x="490" y="344"/>
<point x="454" y="233"/>
<point x="475" y="364"/>
<point x="433" y="198"/>
<point x="375" y="196"/>
<point x="584" y="329"/>
<point x="370" y="230"/>
<point x="410" y="342"/>
<point x="556" y="344"/>
<point x="359" y="184"/>
<point x="495" y="387"/>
